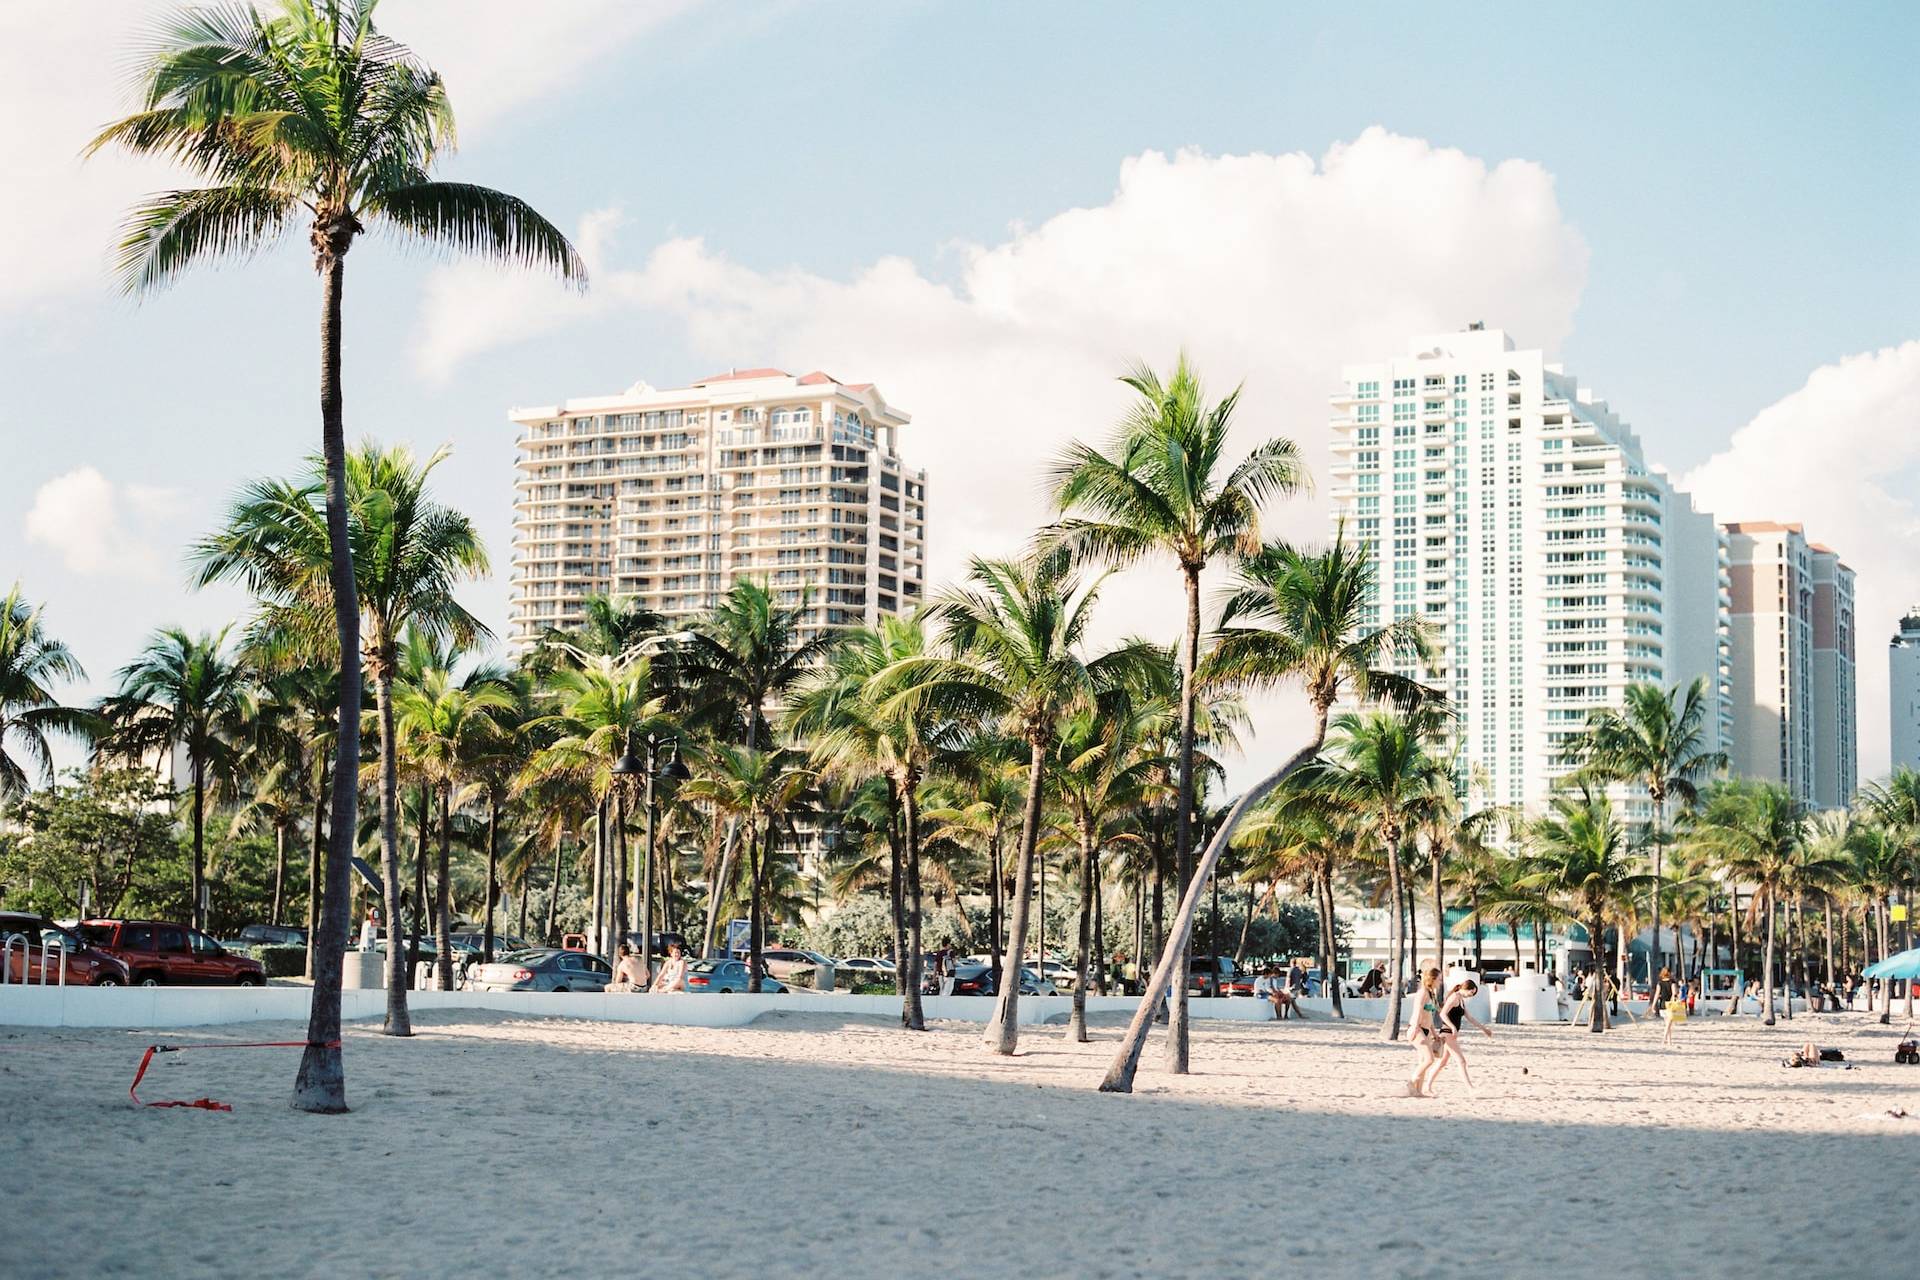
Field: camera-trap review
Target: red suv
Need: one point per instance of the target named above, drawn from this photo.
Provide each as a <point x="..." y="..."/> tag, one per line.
<point x="85" y="965"/>
<point x="159" y="954"/>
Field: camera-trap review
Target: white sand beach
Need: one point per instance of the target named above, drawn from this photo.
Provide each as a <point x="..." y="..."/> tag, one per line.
<point x="813" y="1145"/>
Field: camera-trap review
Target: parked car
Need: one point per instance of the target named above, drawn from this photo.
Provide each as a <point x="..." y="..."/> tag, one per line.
<point x="866" y="967"/>
<point x="971" y="978"/>
<point x="470" y="942"/>
<point x="542" y="969"/>
<point x="783" y="961"/>
<point x="1203" y="981"/>
<point x="661" y="941"/>
<point x="725" y="977"/>
<point x="158" y="954"/>
<point x="85" y="965"/>
<point x="273" y="935"/>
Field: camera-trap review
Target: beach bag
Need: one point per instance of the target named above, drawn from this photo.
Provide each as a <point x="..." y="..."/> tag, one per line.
<point x="1832" y="1055"/>
<point x="1675" y="1011"/>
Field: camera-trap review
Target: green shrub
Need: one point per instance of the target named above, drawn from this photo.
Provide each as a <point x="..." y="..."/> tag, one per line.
<point x="281" y="961"/>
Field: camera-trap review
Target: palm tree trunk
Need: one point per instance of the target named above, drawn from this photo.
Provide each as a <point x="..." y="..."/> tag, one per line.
<point x="754" y="947"/>
<point x="1003" y="1030"/>
<point x="897" y="896"/>
<point x="622" y="882"/>
<point x="1658" y="796"/>
<point x="321" y="1084"/>
<point x="1077" y="1023"/>
<point x="493" y="871"/>
<point x="1473" y="904"/>
<point x="1766" y="968"/>
<point x="420" y="916"/>
<point x="596" y="915"/>
<point x="1513" y="935"/>
<point x="1733" y="943"/>
<point x="1139" y="927"/>
<point x="1439" y="918"/>
<point x="1596" y="933"/>
<point x="910" y="1010"/>
<point x="1177" y="1037"/>
<point x="314" y="861"/>
<point x="996" y="888"/>
<point x="1119" y="1078"/>
<point x="1099" y="961"/>
<point x="196" y="912"/>
<point x="442" y="927"/>
<point x="553" y="888"/>
<point x="279" y="870"/>
<point x="399" y="1022"/>
<point x="1397" y="940"/>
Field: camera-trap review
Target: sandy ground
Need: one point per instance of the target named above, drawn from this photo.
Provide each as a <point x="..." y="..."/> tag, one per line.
<point x="814" y="1145"/>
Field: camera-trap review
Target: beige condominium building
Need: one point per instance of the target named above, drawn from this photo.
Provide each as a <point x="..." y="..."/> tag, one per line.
<point x="1794" y="713"/>
<point x="669" y="496"/>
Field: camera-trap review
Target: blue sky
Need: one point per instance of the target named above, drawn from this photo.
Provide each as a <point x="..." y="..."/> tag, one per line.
<point x="1731" y="205"/>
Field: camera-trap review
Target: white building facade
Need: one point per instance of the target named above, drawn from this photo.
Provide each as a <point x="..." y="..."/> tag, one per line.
<point x="669" y="496"/>
<point x="1514" y="511"/>
<point x="1903" y="690"/>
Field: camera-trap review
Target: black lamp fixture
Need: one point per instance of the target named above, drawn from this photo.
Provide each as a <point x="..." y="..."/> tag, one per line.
<point x="628" y="765"/>
<point x="675" y="769"/>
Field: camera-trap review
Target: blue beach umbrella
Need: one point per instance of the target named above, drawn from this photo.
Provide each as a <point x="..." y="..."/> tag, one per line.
<point x="1904" y="965"/>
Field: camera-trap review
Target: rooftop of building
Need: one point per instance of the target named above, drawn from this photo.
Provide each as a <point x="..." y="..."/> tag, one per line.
<point x="734" y="385"/>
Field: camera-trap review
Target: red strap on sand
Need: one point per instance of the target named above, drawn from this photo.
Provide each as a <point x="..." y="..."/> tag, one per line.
<point x="208" y="1104"/>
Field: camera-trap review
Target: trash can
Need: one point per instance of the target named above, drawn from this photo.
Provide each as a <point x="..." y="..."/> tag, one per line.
<point x="363" y="971"/>
<point x="823" y="976"/>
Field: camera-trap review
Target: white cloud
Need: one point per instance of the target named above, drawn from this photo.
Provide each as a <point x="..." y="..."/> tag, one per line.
<point x="1269" y="268"/>
<point x="100" y="528"/>
<point x="1840" y="456"/>
<point x="61" y="68"/>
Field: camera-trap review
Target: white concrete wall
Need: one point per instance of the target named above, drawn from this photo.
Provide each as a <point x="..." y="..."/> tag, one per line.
<point x="190" y="1007"/>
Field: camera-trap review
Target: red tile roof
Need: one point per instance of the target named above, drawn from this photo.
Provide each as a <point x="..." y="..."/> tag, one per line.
<point x="817" y="378"/>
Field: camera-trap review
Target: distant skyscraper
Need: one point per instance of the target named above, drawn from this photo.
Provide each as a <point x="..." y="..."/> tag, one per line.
<point x="1903" y="690"/>
<point x="669" y="496"/>
<point x="1515" y="512"/>
<point x="1794" y="714"/>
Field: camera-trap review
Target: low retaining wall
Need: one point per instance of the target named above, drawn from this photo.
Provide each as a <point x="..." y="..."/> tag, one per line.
<point x="140" y="1007"/>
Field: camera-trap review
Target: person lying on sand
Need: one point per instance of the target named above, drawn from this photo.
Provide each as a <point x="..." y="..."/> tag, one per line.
<point x="1812" y="1055"/>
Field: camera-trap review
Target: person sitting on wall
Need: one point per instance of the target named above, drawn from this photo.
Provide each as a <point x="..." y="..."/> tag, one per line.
<point x="631" y="973"/>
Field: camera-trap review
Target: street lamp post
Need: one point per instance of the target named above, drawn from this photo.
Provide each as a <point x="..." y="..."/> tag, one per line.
<point x="675" y="770"/>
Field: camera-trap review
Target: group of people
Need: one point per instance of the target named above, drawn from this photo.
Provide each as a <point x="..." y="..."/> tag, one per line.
<point x="1437" y="1025"/>
<point x="630" y="974"/>
<point x="1283" y="991"/>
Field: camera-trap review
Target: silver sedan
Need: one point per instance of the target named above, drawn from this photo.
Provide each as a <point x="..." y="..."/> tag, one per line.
<point x="542" y="969"/>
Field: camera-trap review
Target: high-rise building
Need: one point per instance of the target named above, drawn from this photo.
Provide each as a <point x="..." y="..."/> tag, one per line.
<point x="1794" y="714"/>
<point x="1903" y="690"/>
<point x="1514" y="511"/>
<point x="669" y="496"/>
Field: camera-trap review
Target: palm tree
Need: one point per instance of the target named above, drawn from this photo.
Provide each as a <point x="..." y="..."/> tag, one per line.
<point x="272" y="769"/>
<point x="409" y="553"/>
<point x="191" y="694"/>
<point x="1894" y="806"/>
<point x="1015" y="633"/>
<point x="1754" y="832"/>
<point x="1294" y="617"/>
<point x="496" y="766"/>
<point x="1579" y="864"/>
<point x="757" y="788"/>
<point x="31" y="663"/>
<point x="1383" y="774"/>
<point x="857" y="731"/>
<point x="1658" y="739"/>
<point x="1101" y="764"/>
<point x="445" y="726"/>
<point x="740" y="661"/>
<point x="311" y="115"/>
<point x="1163" y="490"/>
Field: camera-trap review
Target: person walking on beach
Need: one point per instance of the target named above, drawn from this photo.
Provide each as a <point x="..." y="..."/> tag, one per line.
<point x="631" y="973"/>
<point x="1665" y="1002"/>
<point x="1453" y="1013"/>
<point x="1425" y="1033"/>
<point x="1375" y="982"/>
<point x="673" y="971"/>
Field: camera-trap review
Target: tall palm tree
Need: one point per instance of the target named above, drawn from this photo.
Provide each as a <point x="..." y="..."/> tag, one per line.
<point x="1295" y="617"/>
<point x="497" y="764"/>
<point x="310" y="115"/>
<point x="31" y="663"/>
<point x="1164" y="489"/>
<point x="758" y="788"/>
<point x="409" y="553"/>
<point x="445" y="726"/>
<point x="1015" y="631"/>
<point x="1657" y="738"/>
<point x="191" y="694"/>
<point x="1754" y="832"/>
<point x="1381" y="771"/>
<point x="739" y="663"/>
<point x="1579" y="863"/>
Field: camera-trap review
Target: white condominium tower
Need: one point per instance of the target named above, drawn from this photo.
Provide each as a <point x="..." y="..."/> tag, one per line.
<point x="670" y="496"/>
<point x="1794" y="717"/>
<point x="1903" y="690"/>
<point x="1513" y="511"/>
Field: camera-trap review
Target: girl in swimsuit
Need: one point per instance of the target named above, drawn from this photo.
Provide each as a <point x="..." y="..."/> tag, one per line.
<point x="1453" y="1012"/>
<point x="1425" y="1034"/>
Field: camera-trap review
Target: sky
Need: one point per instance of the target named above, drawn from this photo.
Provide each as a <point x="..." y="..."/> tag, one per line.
<point x="1710" y="214"/>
